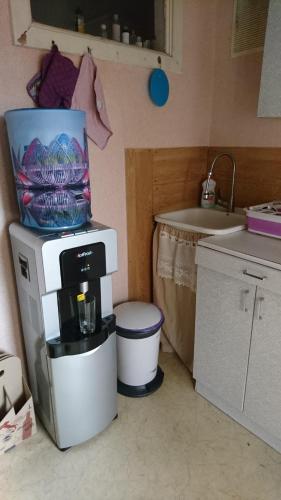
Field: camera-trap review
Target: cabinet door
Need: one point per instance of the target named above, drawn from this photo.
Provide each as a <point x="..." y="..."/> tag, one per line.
<point x="224" y="311"/>
<point x="263" y="390"/>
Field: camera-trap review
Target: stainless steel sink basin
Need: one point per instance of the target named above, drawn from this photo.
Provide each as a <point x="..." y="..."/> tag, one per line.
<point x="204" y="220"/>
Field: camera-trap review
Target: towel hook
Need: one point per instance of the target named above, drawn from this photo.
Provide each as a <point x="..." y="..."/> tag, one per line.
<point x="159" y="60"/>
<point x="54" y="45"/>
<point x="89" y="50"/>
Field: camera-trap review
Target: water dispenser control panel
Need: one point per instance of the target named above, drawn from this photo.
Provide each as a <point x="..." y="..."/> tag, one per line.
<point x="82" y="264"/>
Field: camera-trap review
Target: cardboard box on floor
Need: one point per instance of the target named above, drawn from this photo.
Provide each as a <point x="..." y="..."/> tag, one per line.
<point x="17" y="418"/>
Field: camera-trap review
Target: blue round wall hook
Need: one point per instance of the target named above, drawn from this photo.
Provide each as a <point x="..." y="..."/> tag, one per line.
<point x="158" y="86"/>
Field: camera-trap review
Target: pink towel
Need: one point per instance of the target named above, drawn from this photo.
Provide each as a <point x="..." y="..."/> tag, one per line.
<point x="88" y="96"/>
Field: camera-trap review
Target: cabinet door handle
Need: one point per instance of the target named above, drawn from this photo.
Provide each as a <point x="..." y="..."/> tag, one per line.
<point x="244" y="295"/>
<point x="246" y="273"/>
<point x="260" y="301"/>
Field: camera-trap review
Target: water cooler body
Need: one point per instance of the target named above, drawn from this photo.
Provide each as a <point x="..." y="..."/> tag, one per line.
<point x="71" y="358"/>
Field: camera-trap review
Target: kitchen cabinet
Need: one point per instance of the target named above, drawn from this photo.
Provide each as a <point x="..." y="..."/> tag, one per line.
<point x="263" y="393"/>
<point x="237" y="356"/>
<point x="223" y="332"/>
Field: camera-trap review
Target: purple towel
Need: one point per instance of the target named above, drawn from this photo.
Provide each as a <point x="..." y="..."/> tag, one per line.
<point x="54" y="86"/>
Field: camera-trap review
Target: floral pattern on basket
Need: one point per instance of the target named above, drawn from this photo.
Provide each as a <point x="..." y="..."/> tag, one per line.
<point x="52" y="183"/>
<point x="63" y="162"/>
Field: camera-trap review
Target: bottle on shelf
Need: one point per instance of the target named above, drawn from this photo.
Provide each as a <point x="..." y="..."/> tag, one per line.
<point x="79" y="21"/>
<point x="125" y="35"/>
<point x="103" y="31"/>
<point x="116" y="28"/>
<point x="139" y="41"/>
<point x="133" y="38"/>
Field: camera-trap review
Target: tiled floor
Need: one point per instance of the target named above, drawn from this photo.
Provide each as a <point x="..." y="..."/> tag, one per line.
<point x="172" y="445"/>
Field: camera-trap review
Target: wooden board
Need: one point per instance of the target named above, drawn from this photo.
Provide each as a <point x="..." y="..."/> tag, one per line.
<point x="177" y="177"/>
<point x="139" y="222"/>
<point x="157" y="180"/>
<point x="258" y="174"/>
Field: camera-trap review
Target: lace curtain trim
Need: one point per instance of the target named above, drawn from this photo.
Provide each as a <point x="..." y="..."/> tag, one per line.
<point x="176" y="255"/>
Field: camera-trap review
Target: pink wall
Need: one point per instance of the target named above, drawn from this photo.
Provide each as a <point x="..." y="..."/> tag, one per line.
<point x="185" y="121"/>
<point x="236" y="90"/>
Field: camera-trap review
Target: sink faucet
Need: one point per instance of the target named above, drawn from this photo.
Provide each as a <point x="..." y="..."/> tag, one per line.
<point x="206" y="193"/>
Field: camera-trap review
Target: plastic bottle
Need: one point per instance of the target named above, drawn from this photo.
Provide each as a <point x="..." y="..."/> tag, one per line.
<point x="79" y="21"/>
<point x="211" y="200"/>
<point x="125" y="35"/>
<point x="133" y="38"/>
<point x="139" y="41"/>
<point x="103" y="31"/>
<point x="116" y="28"/>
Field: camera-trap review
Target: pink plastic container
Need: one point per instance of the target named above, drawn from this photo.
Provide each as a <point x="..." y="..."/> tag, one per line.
<point x="265" y="219"/>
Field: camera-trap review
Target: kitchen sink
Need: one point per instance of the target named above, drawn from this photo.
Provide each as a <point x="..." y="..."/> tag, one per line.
<point x="204" y="220"/>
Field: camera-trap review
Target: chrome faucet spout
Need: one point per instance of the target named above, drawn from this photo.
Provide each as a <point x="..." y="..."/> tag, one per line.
<point x="206" y="193"/>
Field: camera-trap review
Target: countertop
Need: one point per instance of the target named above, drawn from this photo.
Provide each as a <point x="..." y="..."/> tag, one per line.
<point x="243" y="244"/>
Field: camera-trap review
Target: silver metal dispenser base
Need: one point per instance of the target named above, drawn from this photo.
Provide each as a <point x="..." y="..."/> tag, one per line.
<point x="84" y="393"/>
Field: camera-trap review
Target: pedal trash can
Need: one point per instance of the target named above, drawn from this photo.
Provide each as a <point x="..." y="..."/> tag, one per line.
<point x="138" y="328"/>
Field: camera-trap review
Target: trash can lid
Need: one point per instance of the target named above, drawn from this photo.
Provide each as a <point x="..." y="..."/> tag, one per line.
<point x="138" y="317"/>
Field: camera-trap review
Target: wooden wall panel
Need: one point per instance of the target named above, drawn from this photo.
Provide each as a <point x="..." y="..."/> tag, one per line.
<point x="139" y="183"/>
<point x="175" y="196"/>
<point x="162" y="180"/>
<point x="157" y="180"/>
<point x="258" y="174"/>
<point x="177" y="177"/>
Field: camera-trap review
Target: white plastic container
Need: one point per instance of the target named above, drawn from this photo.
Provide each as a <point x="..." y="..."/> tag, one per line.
<point x="103" y="31"/>
<point x="138" y="327"/>
<point x="116" y="32"/>
<point x="211" y="201"/>
<point x="125" y="36"/>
